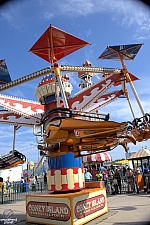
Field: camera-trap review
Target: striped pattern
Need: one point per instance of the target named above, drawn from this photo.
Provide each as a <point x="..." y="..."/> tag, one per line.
<point x="66" y="179"/>
<point x="140" y="154"/>
<point x="99" y="157"/>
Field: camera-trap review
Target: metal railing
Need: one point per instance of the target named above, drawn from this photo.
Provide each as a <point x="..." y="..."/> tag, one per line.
<point x="17" y="191"/>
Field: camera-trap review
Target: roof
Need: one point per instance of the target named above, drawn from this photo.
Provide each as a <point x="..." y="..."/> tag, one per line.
<point x="125" y="161"/>
<point x="99" y="157"/>
<point x="142" y="153"/>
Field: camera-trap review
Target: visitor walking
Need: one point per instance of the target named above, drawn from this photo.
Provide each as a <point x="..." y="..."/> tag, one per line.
<point x="87" y="175"/>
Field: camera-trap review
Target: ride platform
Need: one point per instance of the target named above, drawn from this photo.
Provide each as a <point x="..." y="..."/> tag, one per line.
<point x="74" y="208"/>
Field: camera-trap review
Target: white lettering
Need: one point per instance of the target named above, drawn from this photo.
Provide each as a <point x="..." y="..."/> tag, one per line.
<point x="36" y="208"/>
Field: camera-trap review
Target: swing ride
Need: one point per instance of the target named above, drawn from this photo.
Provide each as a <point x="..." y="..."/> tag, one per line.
<point x="68" y="127"/>
<point x="74" y="126"/>
<point x="13" y="158"/>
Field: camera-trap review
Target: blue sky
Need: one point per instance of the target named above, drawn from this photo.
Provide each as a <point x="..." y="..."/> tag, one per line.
<point x="101" y="23"/>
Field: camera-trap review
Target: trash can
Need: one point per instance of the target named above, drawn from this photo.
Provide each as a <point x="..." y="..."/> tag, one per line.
<point x="25" y="187"/>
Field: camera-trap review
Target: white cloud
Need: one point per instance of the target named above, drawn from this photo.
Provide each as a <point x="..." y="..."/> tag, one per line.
<point x="48" y="15"/>
<point x="88" y="32"/>
<point x="129" y="14"/>
<point x="125" y="13"/>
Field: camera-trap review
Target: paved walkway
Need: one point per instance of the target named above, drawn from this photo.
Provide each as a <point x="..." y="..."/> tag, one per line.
<point x="130" y="209"/>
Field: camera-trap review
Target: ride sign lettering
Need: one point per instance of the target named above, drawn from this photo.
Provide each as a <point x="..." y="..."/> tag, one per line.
<point x="88" y="206"/>
<point x="47" y="210"/>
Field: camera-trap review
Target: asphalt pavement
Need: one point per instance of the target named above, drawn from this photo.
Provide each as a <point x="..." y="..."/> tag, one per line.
<point x="124" y="209"/>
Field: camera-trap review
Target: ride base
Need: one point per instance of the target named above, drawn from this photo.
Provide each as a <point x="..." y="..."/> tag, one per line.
<point x="74" y="208"/>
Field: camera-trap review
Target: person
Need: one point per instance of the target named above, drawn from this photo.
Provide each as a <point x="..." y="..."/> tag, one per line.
<point x="124" y="172"/>
<point x="94" y="172"/>
<point x="87" y="175"/>
<point x="115" y="186"/>
<point x="22" y="180"/>
<point x="118" y="178"/>
<point x="8" y="186"/>
<point x="105" y="177"/>
<point x="25" y="186"/>
<point x="102" y="168"/>
<point x="120" y="169"/>
<point x="129" y="179"/>
<point x="21" y="184"/>
<point x="135" y="182"/>
<point x="45" y="180"/>
<point x="146" y="169"/>
<point x="37" y="182"/>
<point x="99" y="176"/>
<point x="1" y="184"/>
<point x="32" y="183"/>
<point x="111" y="178"/>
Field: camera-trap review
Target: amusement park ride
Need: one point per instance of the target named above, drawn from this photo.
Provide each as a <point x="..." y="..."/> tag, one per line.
<point x="70" y="127"/>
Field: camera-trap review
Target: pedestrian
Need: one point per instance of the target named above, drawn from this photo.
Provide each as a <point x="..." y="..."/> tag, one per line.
<point x="21" y="184"/>
<point x="8" y="187"/>
<point x="45" y="181"/>
<point x="124" y="172"/>
<point x="37" y="182"/>
<point x="118" y="178"/>
<point x="25" y="186"/>
<point x="32" y="183"/>
<point x="105" y="177"/>
<point x="129" y="179"/>
<point x="94" y="172"/>
<point x="87" y="175"/>
<point x="115" y="186"/>
<point x="111" y="178"/>
<point x="1" y="184"/>
<point x="135" y="182"/>
<point x="99" y="175"/>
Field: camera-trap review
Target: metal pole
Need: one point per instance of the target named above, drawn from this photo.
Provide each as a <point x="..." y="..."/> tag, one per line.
<point x="125" y="71"/>
<point x="35" y="146"/>
<point x="136" y="95"/>
<point x="127" y="96"/>
<point x="58" y="77"/>
<point x="38" y="163"/>
<point x="62" y="92"/>
<point x="14" y="140"/>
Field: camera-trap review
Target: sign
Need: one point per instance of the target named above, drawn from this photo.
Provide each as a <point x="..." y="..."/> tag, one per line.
<point x="31" y="164"/>
<point x="48" y="210"/>
<point x="88" y="206"/>
<point x="68" y="208"/>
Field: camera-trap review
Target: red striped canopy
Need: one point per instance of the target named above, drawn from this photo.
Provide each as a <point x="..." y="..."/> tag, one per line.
<point x="98" y="157"/>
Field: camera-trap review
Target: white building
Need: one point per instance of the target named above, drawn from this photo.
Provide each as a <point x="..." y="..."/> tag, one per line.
<point x="15" y="173"/>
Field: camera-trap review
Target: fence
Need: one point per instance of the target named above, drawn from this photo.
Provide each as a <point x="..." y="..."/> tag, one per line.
<point x="18" y="191"/>
<point x="122" y="186"/>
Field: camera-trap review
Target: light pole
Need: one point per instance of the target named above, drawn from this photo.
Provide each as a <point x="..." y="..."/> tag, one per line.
<point x="37" y="149"/>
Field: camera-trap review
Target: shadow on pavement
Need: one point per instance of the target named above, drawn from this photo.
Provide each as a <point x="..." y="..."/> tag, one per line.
<point x="14" y="218"/>
<point x="10" y="217"/>
<point x="126" y="208"/>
